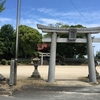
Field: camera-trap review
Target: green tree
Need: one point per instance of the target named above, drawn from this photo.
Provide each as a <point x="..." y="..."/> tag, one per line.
<point x="2" y="48"/>
<point x="28" y="40"/>
<point x="70" y="50"/>
<point x="98" y="54"/>
<point x="7" y="40"/>
<point x="1" y="43"/>
<point x="2" y="2"/>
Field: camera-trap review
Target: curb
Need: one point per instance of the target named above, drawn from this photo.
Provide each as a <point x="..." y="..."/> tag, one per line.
<point x="7" y="92"/>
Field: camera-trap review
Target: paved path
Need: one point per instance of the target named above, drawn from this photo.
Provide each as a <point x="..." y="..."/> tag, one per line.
<point x="55" y="93"/>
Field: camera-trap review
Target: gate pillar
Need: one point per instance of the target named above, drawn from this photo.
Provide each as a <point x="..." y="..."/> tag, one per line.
<point x="91" y="65"/>
<point x="51" y="72"/>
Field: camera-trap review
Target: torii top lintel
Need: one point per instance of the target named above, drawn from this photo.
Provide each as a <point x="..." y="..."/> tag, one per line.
<point x="92" y="30"/>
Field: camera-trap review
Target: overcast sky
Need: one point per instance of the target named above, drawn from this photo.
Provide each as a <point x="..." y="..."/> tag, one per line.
<point x="71" y="12"/>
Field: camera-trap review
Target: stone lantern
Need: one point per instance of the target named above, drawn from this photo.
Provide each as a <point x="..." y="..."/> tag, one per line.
<point x="35" y="74"/>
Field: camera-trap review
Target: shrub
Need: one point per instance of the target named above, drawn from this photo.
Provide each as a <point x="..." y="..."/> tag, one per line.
<point x="3" y="62"/>
<point x="26" y="62"/>
<point x="63" y="63"/>
<point x="8" y="62"/>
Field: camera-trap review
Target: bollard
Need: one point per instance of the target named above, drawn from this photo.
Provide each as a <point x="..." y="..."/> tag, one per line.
<point x="12" y="80"/>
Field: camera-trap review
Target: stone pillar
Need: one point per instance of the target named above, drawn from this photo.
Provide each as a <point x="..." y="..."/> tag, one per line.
<point x="91" y="65"/>
<point x="13" y="73"/>
<point x="51" y="72"/>
<point x="41" y="58"/>
<point x="15" y="70"/>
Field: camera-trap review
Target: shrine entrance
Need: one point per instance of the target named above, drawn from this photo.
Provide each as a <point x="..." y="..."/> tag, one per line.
<point x="72" y="39"/>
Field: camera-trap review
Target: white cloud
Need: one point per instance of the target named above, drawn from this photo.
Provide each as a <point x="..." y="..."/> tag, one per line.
<point x="29" y="22"/>
<point x="87" y="18"/>
<point x="47" y="21"/>
<point x="3" y="20"/>
<point x="45" y="10"/>
<point x="7" y="21"/>
<point x="55" y="13"/>
<point x="26" y="21"/>
<point x="33" y="9"/>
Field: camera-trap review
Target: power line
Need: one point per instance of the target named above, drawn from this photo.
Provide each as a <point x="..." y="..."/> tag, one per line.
<point x="79" y="11"/>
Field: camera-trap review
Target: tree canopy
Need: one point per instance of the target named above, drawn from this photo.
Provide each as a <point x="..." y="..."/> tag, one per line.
<point x="69" y="50"/>
<point x="2" y="2"/>
<point x="28" y="40"/>
<point x="6" y="40"/>
<point x="98" y="55"/>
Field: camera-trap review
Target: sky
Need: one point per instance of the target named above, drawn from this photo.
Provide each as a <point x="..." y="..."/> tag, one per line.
<point x="70" y="12"/>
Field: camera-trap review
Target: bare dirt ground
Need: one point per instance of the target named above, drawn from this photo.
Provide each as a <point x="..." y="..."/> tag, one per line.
<point x="61" y="72"/>
<point x="64" y="75"/>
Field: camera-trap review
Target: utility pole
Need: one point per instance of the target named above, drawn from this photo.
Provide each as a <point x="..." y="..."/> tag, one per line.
<point x="13" y="66"/>
<point x="17" y="25"/>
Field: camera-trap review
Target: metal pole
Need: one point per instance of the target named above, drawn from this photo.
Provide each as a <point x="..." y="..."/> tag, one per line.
<point x="17" y="25"/>
<point x="17" y="31"/>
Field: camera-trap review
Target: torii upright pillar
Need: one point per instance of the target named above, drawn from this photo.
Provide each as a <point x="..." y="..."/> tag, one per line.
<point x="91" y="65"/>
<point x="51" y="72"/>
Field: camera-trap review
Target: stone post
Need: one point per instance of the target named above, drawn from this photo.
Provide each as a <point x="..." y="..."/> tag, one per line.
<point x="51" y="72"/>
<point x="13" y="73"/>
<point x="91" y="65"/>
<point x="41" y="58"/>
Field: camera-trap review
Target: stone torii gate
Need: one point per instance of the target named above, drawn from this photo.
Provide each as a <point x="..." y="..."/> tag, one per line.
<point x="72" y="39"/>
